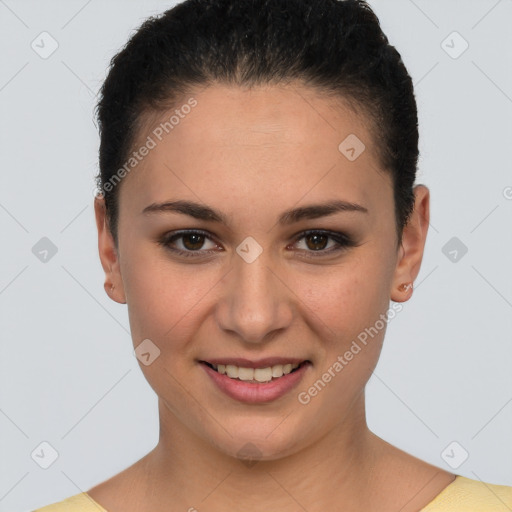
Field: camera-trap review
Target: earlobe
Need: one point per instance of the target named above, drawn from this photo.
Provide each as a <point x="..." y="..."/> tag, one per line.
<point x="108" y="254"/>
<point x="412" y="247"/>
<point x="404" y="292"/>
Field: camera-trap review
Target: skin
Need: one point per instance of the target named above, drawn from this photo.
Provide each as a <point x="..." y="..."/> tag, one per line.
<point x="252" y="154"/>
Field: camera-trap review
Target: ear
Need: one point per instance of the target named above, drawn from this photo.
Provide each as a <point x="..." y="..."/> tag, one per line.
<point x="108" y="254"/>
<point x="410" y="253"/>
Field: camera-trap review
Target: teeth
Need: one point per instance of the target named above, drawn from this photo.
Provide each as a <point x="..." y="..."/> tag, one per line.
<point x="263" y="374"/>
<point x="255" y="374"/>
<point x="232" y="371"/>
<point x="245" y="373"/>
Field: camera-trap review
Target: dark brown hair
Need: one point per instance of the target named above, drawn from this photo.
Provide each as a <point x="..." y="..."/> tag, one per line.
<point x="334" y="46"/>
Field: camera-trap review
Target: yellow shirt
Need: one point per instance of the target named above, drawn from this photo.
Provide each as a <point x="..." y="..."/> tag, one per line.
<point x="462" y="495"/>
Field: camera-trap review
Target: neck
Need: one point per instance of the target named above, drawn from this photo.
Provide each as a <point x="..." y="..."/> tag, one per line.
<point x="188" y="471"/>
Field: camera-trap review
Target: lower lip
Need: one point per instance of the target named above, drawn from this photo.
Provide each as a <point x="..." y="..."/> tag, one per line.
<point x="255" y="393"/>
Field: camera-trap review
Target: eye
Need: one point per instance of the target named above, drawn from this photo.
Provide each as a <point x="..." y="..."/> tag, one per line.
<point x="191" y="242"/>
<point x="316" y="242"/>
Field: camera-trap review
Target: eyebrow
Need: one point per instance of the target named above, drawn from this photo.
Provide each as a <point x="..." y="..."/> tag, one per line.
<point x="201" y="212"/>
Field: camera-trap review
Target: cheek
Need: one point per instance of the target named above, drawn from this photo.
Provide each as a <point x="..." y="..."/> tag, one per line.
<point x="166" y="301"/>
<point x="347" y="306"/>
<point x="163" y="299"/>
<point x="348" y="298"/>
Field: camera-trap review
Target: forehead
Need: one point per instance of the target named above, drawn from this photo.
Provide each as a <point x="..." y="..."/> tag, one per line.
<point x="230" y="115"/>
<point x="280" y="142"/>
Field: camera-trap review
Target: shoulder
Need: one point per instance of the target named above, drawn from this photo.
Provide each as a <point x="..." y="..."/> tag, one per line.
<point x="468" y="495"/>
<point x="78" y="503"/>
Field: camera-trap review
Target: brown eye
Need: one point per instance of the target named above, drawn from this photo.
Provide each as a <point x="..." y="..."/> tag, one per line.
<point x="189" y="243"/>
<point x="193" y="241"/>
<point x="322" y="243"/>
<point x="316" y="241"/>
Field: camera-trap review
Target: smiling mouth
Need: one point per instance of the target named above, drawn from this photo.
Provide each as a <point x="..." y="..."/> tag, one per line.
<point x="255" y="375"/>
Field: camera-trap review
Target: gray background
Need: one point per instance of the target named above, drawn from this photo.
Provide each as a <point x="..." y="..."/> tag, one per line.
<point x="68" y="374"/>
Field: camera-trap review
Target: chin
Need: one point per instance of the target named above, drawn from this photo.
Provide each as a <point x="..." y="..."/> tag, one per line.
<point x="271" y="440"/>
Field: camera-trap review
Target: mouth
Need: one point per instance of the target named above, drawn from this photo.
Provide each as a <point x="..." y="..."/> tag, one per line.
<point x="256" y="375"/>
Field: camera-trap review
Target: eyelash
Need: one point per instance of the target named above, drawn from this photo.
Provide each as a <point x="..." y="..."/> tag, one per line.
<point x="343" y="241"/>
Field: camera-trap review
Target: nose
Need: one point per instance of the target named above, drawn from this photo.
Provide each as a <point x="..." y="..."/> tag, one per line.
<point x="255" y="303"/>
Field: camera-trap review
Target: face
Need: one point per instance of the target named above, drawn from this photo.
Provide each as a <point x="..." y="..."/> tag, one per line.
<point x="253" y="271"/>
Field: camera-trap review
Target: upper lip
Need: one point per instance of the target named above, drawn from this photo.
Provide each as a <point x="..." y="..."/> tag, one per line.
<point x="259" y="363"/>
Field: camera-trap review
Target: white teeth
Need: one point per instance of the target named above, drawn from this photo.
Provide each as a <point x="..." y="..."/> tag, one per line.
<point x="232" y="371"/>
<point x="263" y="374"/>
<point x="277" y="370"/>
<point x="255" y="374"/>
<point x="245" y="373"/>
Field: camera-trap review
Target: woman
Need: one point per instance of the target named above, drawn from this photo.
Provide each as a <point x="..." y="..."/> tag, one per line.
<point x="258" y="213"/>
